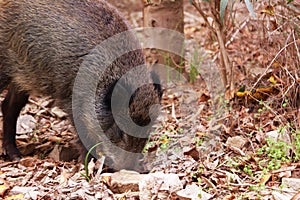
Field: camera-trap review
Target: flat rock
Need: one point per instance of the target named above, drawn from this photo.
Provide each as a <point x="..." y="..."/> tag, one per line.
<point x="160" y="185"/>
<point x="125" y="181"/>
<point x="292" y="183"/>
<point x="281" y="196"/>
<point x="192" y="192"/>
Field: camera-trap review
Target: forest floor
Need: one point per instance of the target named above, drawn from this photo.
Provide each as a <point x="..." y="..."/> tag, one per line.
<point x="241" y="147"/>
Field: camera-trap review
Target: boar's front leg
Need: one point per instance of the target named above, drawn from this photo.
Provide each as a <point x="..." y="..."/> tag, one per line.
<point x="11" y="106"/>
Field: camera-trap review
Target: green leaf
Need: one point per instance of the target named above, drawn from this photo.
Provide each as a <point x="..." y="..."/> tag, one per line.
<point x="250" y="8"/>
<point x="86" y="162"/>
<point x="223" y="5"/>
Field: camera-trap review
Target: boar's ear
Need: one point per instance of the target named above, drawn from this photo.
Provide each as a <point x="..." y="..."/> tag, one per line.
<point x="125" y="89"/>
<point x="120" y="91"/>
<point x="156" y="83"/>
<point x="107" y="97"/>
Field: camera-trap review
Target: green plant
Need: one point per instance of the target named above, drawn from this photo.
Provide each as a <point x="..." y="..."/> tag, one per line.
<point x="86" y="162"/>
<point x="164" y="142"/>
<point x="224" y="3"/>
<point x="285" y="103"/>
<point x="198" y="141"/>
<point x="34" y="135"/>
<point x="278" y="150"/>
<point x="148" y="145"/>
<point x="42" y="156"/>
<point x="195" y="63"/>
<point x="258" y="187"/>
<point x="248" y="170"/>
<point x="277" y="153"/>
<point x="296" y="144"/>
<point x="201" y="168"/>
<point x="171" y="66"/>
<point x="235" y="162"/>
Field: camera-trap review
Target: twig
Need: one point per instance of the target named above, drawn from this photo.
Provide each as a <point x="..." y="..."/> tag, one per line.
<point x="294" y="81"/>
<point x="296" y="196"/>
<point x="193" y="117"/>
<point x="296" y="46"/>
<point x="225" y="66"/>
<point x="272" y="61"/>
<point x="225" y="57"/>
<point x="237" y="31"/>
<point x="291" y="8"/>
<point x="8" y="163"/>
<point x="190" y="15"/>
<point x="174" y="112"/>
<point x="198" y="8"/>
<point x="41" y="106"/>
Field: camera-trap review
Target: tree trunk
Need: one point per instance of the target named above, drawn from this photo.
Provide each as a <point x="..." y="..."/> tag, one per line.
<point x="164" y="14"/>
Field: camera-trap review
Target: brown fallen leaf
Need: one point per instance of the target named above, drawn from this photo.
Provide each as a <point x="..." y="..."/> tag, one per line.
<point x="28" y="161"/>
<point x="193" y="153"/>
<point x="106" y="178"/>
<point x="18" y="196"/>
<point x="67" y="172"/>
<point x="27" y="148"/>
<point x="296" y="196"/>
<point x="3" y="187"/>
<point x="55" y="139"/>
<point x="229" y="197"/>
<point x="264" y="179"/>
<point x="203" y="98"/>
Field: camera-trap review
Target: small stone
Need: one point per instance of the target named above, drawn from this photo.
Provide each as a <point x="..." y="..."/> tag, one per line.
<point x="237" y="142"/>
<point x="25" y="124"/>
<point x="58" y="112"/>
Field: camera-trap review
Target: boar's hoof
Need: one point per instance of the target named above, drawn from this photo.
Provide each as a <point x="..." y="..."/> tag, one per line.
<point x="12" y="152"/>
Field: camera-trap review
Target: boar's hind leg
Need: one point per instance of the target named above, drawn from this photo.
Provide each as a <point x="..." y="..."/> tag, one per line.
<point x="11" y="106"/>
